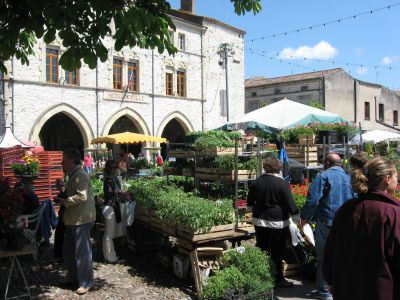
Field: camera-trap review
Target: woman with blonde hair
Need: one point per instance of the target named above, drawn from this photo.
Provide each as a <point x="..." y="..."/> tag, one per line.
<point x="362" y="254"/>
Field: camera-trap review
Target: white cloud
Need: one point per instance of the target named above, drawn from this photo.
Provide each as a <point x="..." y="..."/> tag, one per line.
<point x="387" y="60"/>
<point x="359" y="51"/>
<point x="362" y="70"/>
<point x="322" y="50"/>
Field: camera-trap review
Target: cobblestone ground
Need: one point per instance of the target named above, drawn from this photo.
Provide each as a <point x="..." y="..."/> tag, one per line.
<point x="138" y="277"/>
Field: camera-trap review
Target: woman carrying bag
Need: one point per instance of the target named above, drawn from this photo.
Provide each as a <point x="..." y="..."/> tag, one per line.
<point x="118" y="210"/>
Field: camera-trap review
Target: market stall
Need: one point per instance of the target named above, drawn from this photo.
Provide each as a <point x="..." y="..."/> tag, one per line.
<point x="127" y="138"/>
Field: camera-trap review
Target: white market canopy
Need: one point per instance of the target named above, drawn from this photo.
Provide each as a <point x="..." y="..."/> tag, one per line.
<point x="375" y="136"/>
<point x="285" y="114"/>
<point x="9" y="140"/>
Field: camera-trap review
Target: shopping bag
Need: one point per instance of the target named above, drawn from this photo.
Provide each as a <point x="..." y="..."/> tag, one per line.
<point x="294" y="233"/>
<point x="128" y="212"/>
<point x="308" y="234"/>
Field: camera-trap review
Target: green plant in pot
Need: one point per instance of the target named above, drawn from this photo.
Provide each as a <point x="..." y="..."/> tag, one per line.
<point x="140" y="163"/>
<point x="244" y="268"/>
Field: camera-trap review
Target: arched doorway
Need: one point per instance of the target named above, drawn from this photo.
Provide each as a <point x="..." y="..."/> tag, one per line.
<point x="121" y="125"/>
<point x="174" y="133"/>
<point x="59" y="133"/>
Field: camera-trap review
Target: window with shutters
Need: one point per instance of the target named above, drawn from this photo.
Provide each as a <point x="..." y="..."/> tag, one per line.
<point x="52" y="64"/>
<point x="367" y="111"/>
<point x="169" y="84"/>
<point x="181" y="83"/>
<point x="133" y="76"/>
<point x="72" y="77"/>
<point x="181" y="41"/>
<point x="381" y="112"/>
<point x="117" y="74"/>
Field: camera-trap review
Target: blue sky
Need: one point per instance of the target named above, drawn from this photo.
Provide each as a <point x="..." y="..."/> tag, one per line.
<point x="372" y="39"/>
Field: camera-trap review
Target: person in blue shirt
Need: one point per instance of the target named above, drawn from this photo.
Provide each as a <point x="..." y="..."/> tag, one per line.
<point x="329" y="190"/>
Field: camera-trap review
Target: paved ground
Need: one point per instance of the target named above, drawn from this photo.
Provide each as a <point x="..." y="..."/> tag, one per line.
<point x="298" y="292"/>
<point x="140" y="276"/>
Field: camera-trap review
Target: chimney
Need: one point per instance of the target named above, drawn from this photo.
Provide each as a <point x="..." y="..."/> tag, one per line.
<point x="188" y="6"/>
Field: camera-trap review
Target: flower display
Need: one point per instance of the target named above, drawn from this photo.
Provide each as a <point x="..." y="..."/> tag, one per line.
<point x="293" y="133"/>
<point x="26" y="166"/>
<point x="299" y="193"/>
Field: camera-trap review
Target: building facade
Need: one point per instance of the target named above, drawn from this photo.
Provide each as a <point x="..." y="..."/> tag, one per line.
<point x="372" y="105"/>
<point x="136" y="90"/>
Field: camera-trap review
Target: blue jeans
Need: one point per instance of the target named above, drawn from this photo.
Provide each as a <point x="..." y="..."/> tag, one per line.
<point x="321" y="235"/>
<point x="78" y="254"/>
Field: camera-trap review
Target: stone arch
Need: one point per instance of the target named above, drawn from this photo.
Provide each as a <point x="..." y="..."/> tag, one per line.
<point x="182" y="120"/>
<point x="132" y="115"/>
<point x="72" y="113"/>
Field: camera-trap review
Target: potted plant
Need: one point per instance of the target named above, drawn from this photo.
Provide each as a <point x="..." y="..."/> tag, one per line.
<point x="27" y="166"/>
<point x="243" y="271"/>
<point x="299" y="193"/>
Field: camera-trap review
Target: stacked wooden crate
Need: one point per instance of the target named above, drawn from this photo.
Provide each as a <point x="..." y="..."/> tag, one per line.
<point x="50" y="170"/>
<point x="307" y="156"/>
<point x="223" y="175"/>
<point x="7" y="155"/>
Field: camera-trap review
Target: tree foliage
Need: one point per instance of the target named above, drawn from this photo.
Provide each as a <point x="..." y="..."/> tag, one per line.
<point x="82" y="26"/>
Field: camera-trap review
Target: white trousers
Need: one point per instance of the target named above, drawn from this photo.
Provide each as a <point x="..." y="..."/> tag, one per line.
<point x="112" y="231"/>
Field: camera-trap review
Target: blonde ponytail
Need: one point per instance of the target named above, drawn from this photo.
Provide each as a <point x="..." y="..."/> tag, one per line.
<point x="371" y="175"/>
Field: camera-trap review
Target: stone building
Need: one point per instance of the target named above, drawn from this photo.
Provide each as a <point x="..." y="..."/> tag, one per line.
<point x="374" y="105"/>
<point x="136" y="90"/>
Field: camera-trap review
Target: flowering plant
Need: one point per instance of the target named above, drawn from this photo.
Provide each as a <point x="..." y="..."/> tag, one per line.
<point x="27" y="165"/>
<point x="299" y="193"/>
<point x="291" y="134"/>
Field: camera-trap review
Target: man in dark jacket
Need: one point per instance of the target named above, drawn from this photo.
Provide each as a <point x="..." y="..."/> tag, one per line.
<point x="327" y="193"/>
<point x="272" y="203"/>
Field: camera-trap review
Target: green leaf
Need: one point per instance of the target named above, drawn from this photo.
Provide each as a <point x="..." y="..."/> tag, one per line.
<point x="49" y="36"/>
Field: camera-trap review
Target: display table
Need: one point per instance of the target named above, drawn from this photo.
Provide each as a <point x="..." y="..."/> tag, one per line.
<point x="13" y="254"/>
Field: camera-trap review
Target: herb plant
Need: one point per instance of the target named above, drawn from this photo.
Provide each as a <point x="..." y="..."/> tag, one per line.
<point x="246" y="268"/>
<point x="213" y="138"/>
<point x="140" y="163"/>
<point x="172" y="204"/>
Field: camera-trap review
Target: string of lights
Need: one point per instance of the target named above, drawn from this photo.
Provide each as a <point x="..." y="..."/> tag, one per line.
<point x="370" y="12"/>
<point x="281" y="60"/>
<point x="276" y="55"/>
<point x="275" y="58"/>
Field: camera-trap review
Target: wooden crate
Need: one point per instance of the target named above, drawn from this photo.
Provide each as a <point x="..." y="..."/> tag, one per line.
<point x="214" y="151"/>
<point x="290" y="269"/>
<point x="181" y="154"/>
<point x="224" y="175"/>
<point x="301" y="154"/>
<point x="303" y="139"/>
<point x="201" y="235"/>
<point x="187" y="172"/>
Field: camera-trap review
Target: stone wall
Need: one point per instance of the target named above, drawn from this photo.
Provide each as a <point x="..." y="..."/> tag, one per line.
<point x="94" y="105"/>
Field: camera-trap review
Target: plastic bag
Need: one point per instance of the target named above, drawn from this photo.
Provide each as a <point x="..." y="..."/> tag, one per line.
<point x="128" y="212"/>
<point x="294" y="233"/>
<point x="112" y="228"/>
<point x="308" y="234"/>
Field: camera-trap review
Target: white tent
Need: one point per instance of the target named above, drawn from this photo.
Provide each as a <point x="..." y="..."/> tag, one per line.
<point x="9" y="140"/>
<point x="375" y="136"/>
<point x="285" y="114"/>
